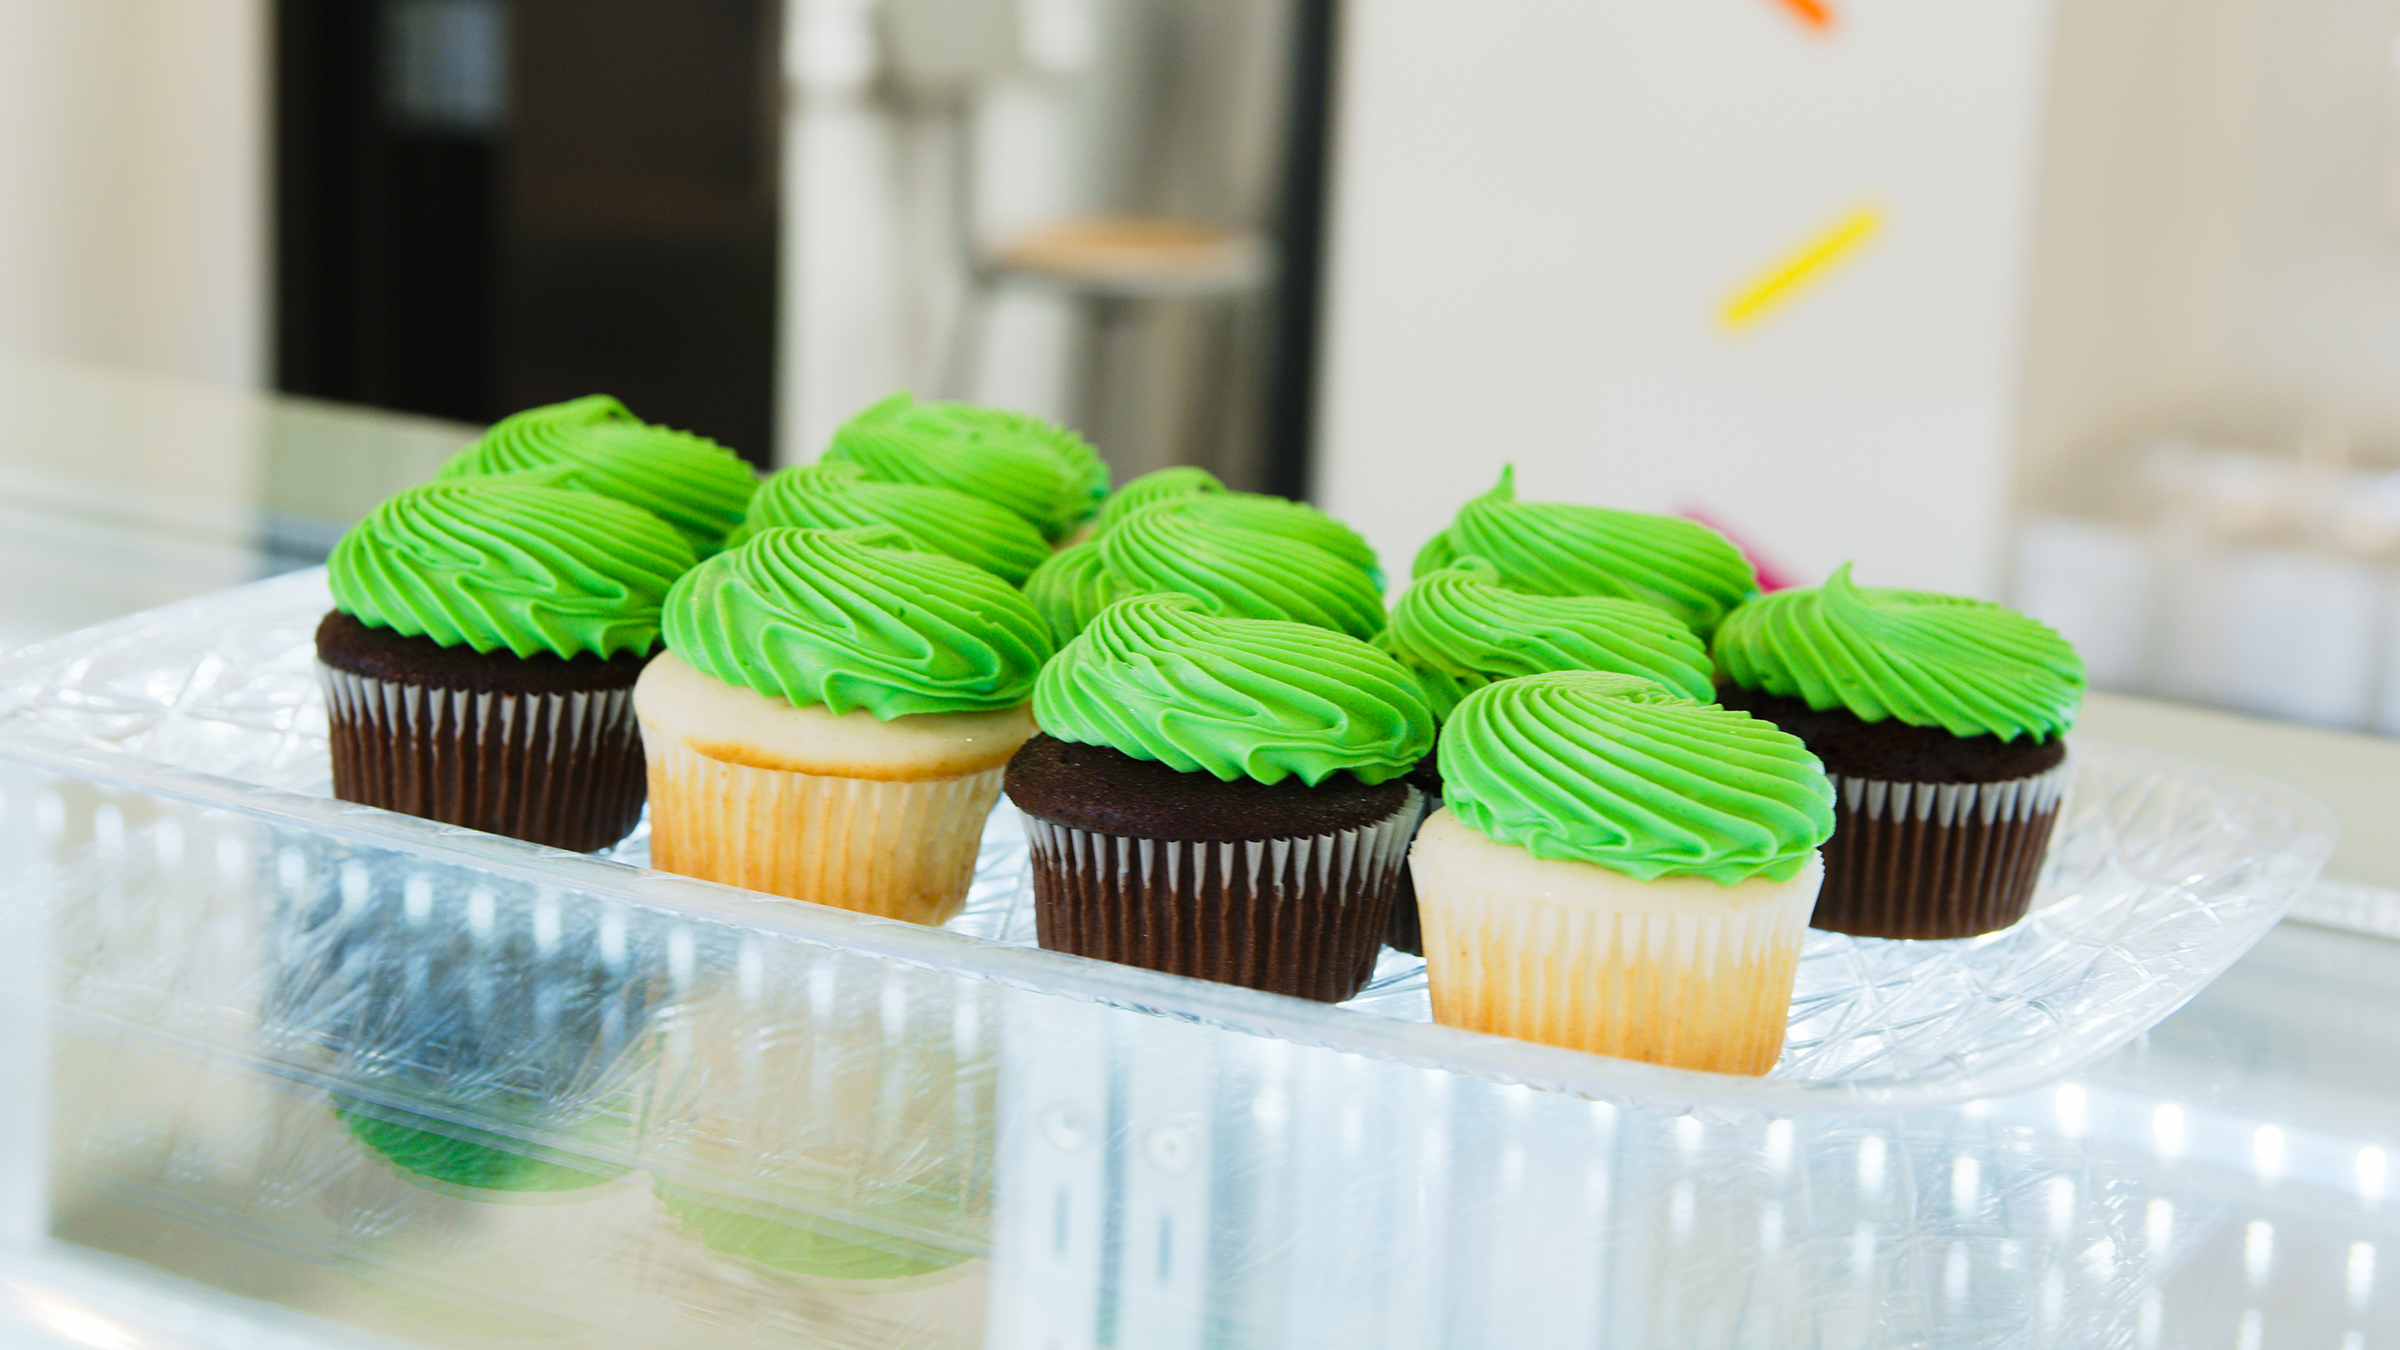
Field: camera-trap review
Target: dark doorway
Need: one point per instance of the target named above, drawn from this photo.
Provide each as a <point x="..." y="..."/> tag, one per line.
<point x="488" y="204"/>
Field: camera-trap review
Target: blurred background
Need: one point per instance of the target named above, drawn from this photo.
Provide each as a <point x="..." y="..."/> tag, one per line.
<point x="2089" y="304"/>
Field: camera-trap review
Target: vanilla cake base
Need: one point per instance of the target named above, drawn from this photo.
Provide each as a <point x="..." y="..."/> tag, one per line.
<point x="842" y="809"/>
<point x="1680" y="970"/>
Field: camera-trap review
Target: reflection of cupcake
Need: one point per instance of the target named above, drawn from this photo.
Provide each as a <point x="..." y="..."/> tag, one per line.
<point x="1459" y="628"/>
<point x="1942" y="721"/>
<point x="831" y="716"/>
<point x="1220" y="797"/>
<point x="798" y="1242"/>
<point x="1620" y="869"/>
<point x="1555" y="548"/>
<point x="594" y="445"/>
<point x="480" y="659"/>
<point x="840" y="496"/>
<point x="1042" y="471"/>
<point x="1193" y="546"/>
<point x="476" y="1029"/>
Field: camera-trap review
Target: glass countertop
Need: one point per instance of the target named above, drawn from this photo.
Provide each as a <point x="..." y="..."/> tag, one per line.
<point x="2233" y="1168"/>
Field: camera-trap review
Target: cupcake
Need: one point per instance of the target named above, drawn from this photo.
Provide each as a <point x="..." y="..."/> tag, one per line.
<point x="1556" y="548"/>
<point x="480" y="658"/>
<point x="594" y="445"/>
<point x="936" y="519"/>
<point x="1041" y="471"/>
<point x="831" y="716"/>
<point x="1942" y="721"/>
<point x="1220" y="797"/>
<point x="1249" y="510"/>
<point x="1190" y="546"/>
<point x="1458" y="628"/>
<point x="1620" y="869"/>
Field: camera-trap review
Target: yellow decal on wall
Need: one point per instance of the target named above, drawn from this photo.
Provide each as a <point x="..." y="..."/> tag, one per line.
<point x="1809" y="261"/>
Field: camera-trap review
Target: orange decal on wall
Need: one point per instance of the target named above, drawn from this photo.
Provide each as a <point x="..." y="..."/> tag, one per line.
<point x="1814" y="13"/>
<point x="1807" y="262"/>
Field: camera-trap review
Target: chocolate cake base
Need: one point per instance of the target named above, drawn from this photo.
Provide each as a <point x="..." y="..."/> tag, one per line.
<point x="1285" y="888"/>
<point x="1935" y="836"/>
<point x="539" y="748"/>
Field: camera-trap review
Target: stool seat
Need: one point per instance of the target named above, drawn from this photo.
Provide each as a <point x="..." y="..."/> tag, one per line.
<point x="1134" y="256"/>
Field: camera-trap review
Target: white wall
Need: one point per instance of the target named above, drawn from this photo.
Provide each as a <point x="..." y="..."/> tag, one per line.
<point x="1540" y="207"/>
<point x="133" y="184"/>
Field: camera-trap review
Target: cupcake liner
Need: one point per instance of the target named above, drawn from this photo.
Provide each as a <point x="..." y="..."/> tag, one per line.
<point x="1936" y="860"/>
<point x="1691" y="988"/>
<point x="901" y="849"/>
<point x="1405" y="932"/>
<point x="1302" y="916"/>
<point x="562" y="769"/>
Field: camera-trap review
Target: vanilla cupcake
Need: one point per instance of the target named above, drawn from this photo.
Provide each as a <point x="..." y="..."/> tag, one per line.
<point x="831" y="718"/>
<point x="839" y="496"/>
<point x="1620" y="869"/>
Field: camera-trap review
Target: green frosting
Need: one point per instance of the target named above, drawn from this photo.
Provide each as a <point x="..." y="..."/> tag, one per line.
<point x="857" y="619"/>
<point x="1160" y="678"/>
<point x="1158" y="485"/>
<point x="1237" y="571"/>
<point x="494" y="564"/>
<point x="1618" y="770"/>
<point x="1071" y="589"/>
<point x="1043" y="472"/>
<point x="1209" y="501"/>
<point x="1556" y="548"/>
<point x="1970" y="667"/>
<point x="461" y="1155"/>
<point x="594" y="445"/>
<point x="1460" y="629"/>
<point x="935" y="519"/>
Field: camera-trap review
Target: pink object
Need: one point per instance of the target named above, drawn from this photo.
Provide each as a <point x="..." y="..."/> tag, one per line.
<point x="1770" y="577"/>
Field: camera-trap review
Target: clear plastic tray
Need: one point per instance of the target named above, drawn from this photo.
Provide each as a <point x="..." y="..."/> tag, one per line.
<point x="2162" y="873"/>
<point x="471" y="1092"/>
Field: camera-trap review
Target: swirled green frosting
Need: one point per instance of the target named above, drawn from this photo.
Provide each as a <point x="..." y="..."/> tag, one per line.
<point x="594" y="445"/>
<point x="935" y="519"/>
<point x="1558" y="548"/>
<point x="1459" y="629"/>
<point x="1070" y="589"/>
<point x="1970" y="667"/>
<point x="1209" y="501"/>
<point x="1618" y="770"/>
<point x="1043" y="472"/>
<point x="1236" y="571"/>
<point x="857" y="619"/>
<point x="1158" y="485"/>
<point x="1160" y="678"/>
<point x="500" y="564"/>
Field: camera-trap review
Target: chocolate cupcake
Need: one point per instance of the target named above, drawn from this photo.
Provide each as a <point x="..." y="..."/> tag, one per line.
<point x="1459" y="628"/>
<point x="1220" y="797"/>
<point x="1620" y="869"/>
<point x="831" y="716"/>
<point x="1558" y="548"/>
<point x="595" y="445"/>
<point x="1219" y="550"/>
<point x="480" y="659"/>
<point x="1040" y="470"/>
<point x="1942" y="721"/>
<point x="840" y="496"/>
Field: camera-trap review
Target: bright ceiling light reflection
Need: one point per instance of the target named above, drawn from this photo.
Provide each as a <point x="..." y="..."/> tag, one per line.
<point x="2166" y="1125"/>
<point x="2371" y="1169"/>
<point x="2071" y="1109"/>
<point x="2266" y="1149"/>
<point x="2361" y="1273"/>
<point x="2258" y="1250"/>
